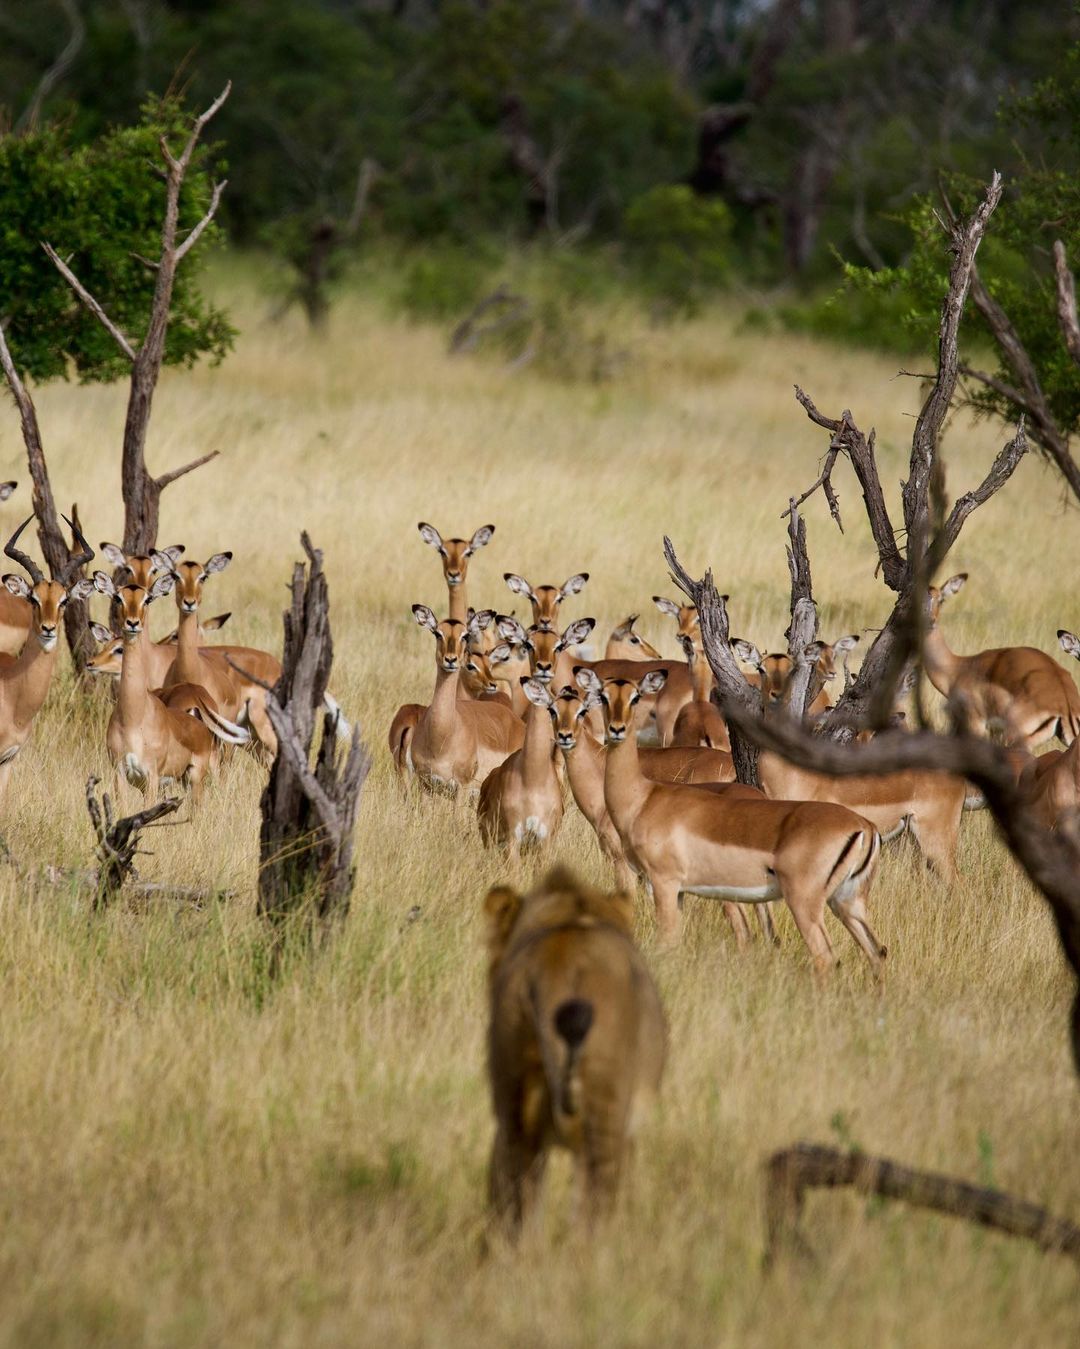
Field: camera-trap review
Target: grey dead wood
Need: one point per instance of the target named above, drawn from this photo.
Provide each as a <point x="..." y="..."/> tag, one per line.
<point x="118" y="840"/>
<point x="308" y="813"/>
<point x="791" y="1172"/>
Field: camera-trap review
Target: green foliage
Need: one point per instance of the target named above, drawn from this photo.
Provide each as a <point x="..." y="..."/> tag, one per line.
<point x="678" y="244"/>
<point x="99" y="205"/>
<point x="442" y="283"/>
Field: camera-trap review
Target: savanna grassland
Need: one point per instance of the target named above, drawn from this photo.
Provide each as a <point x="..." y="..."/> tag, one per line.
<point x="192" y="1155"/>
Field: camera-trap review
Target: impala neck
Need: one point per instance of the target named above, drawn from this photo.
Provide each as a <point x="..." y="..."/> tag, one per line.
<point x="459" y="603"/>
<point x="29" y="677"/>
<point x="585" y="769"/>
<point x="625" y="789"/>
<point x="134" y="685"/>
<point x="187" y="645"/>
<point x="941" y="665"/>
<point x="442" y="718"/>
<point x="539" y="744"/>
<point x="701" y="679"/>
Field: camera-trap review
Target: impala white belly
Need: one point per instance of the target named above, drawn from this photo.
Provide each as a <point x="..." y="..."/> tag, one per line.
<point x="532" y="828"/>
<point x="743" y="894"/>
<point x="134" y="770"/>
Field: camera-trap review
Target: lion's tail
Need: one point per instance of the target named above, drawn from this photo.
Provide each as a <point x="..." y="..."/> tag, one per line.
<point x="573" y="1020"/>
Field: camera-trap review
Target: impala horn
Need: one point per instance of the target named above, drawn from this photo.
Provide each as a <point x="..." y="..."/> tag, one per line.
<point x="17" y="555"/>
<point x="79" y="559"/>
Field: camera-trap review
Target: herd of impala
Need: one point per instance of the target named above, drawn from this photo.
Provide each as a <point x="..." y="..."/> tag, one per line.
<point x="519" y="713"/>
<point x="178" y="700"/>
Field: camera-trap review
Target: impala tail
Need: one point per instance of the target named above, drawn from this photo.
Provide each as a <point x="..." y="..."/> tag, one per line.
<point x="855" y="865"/>
<point x="221" y="727"/>
<point x="342" y="729"/>
<point x="573" y="1020"/>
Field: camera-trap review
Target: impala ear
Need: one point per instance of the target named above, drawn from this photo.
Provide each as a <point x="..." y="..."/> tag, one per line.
<point x="1070" y="643"/>
<point x="218" y="621"/>
<point x="6" y="489"/>
<point x="590" y="699"/>
<point x="812" y="650"/>
<point x="103" y="584"/>
<point x="161" y="559"/>
<point x="162" y="586"/>
<point x="483" y="618"/>
<point x="746" y="652"/>
<point x="500" y="654"/>
<point x="574" y="585"/>
<point x="954" y="584"/>
<point x="666" y="606"/>
<point x="82" y="587"/>
<point x="18" y="586"/>
<point x="653" y="682"/>
<point x="431" y="536"/>
<point x="510" y="628"/>
<point x="536" y="692"/>
<point x="111" y="552"/>
<point x="847" y="643"/>
<point x="174" y="552"/>
<point x="100" y="632"/>
<point x="588" y="680"/>
<point x="480" y="538"/>
<point x="218" y="562"/>
<point x="425" y="617"/>
<point x="501" y="908"/>
<point x="576" y="632"/>
<point x="518" y="584"/>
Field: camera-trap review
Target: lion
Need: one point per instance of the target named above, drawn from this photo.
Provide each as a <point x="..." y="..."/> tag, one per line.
<point x="577" y="1040"/>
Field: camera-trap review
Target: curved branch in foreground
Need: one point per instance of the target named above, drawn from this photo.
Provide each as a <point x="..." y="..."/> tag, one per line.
<point x="793" y="1171"/>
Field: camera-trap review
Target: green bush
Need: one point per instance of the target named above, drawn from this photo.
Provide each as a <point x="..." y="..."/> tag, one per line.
<point x="678" y="245"/>
<point x="443" y="284"/>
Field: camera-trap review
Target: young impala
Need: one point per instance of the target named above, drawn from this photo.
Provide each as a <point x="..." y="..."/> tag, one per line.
<point x="733" y="845"/>
<point x="545" y="599"/>
<point x="521" y="801"/>
<point x="625" y="644"/>
<point x="1018" y="691"/>
<point x="773" y="672"/>
<point x="106" y="661"/>
<point x="699" y="722"/>
<point x="24" y="681"/>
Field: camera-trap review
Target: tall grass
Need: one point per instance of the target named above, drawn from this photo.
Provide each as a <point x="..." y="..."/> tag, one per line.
<point x="195" y="1156"/>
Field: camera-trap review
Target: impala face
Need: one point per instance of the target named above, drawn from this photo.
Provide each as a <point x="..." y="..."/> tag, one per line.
<point x="132" y="601"/>
<point x="545" y="600"/>
<point x="455" y="553"/>
<point x="568" y="711"/>
<point x="685" y="615"/>
<point x="143" y="568"/>
<point x="937" y="595"/>
<point x="543" y="644"/>
<point x="619" y="698"/>
<point x="625" y="633"/>
<point x="190" y="578"/>
<point x="451" y="638"/>
<point x="48" y="599"/>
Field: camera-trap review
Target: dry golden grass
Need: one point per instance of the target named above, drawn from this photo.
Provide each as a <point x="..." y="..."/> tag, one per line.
<point x="193" y="1157"/>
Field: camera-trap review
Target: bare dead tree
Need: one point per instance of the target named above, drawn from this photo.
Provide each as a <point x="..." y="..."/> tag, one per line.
<point x="1051" y="859"/>
<point x="118" y="840"/>
<point x="792" y="1171"/>
<point x="61" y="558"/>
<point x="308" y="815"/>
<point x="141" y="490"/>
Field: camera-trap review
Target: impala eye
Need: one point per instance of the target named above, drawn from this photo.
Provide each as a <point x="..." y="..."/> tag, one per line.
<point x="636" y="641"/>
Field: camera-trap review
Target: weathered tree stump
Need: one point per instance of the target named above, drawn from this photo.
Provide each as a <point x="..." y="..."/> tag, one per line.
<point x="118" y="840"/>
<point x="308" y="815"/>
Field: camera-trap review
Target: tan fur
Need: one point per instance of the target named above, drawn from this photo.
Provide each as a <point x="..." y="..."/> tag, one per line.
<point x="521" y="801"/>
<point x="455" y="554"/>
<point x="567" y="948"/>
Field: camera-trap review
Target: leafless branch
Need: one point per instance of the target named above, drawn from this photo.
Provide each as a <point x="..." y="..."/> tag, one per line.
<point x="118" y="842"/>
<point x="824" y="481"/>
<point x="59" y="68"/>
<point x="792" y="1171"/>
<point x="88" y="300"/>
<point x="174" y="473"/>
<point x="192" y="239"/>
<point x="1066" y="300"/>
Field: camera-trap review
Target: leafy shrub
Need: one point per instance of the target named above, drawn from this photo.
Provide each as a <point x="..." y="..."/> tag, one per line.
<point x="443" y="284"/>
<point x="678" y="244"/>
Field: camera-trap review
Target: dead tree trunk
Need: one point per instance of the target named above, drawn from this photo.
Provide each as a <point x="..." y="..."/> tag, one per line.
<point x="308" y="816"/>
<point x="54" y="548"/>
<point x="790" y="1173"/>
<point x="141" y="490"/>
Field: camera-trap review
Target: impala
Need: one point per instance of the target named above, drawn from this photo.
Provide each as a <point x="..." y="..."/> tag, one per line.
<point x="545" y="600"/>
<point x="584" y="757"/>
<point x="734" y="845"/>
<point x="1052" y="781"/>
<point x="109" y="656"/>
<point x="1016" y="690"/>
<point x="455" y="554"/>
<point x="153" y="739"/>
<point x="699" y="721"/>
<point x="625" y="644"/>
<point x="24" y="681"/>
<point x="142" y="568"/>
<point x="15" y="612"/>
<point x="521" y="801"/>
<point x="457" y="742"/>
<point x="773" y="672"/>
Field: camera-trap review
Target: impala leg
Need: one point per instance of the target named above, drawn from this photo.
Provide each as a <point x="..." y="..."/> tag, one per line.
<point x="666" y="899"/>
<point x="259" y="721"/>
<point x="765" y="922"/>
<point x="515" y="1178"/>
<point x="938" y="846"/>
<point x="852" y="913"/>
<point x="809" y="919"/>
<point x="740" y="927"/>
